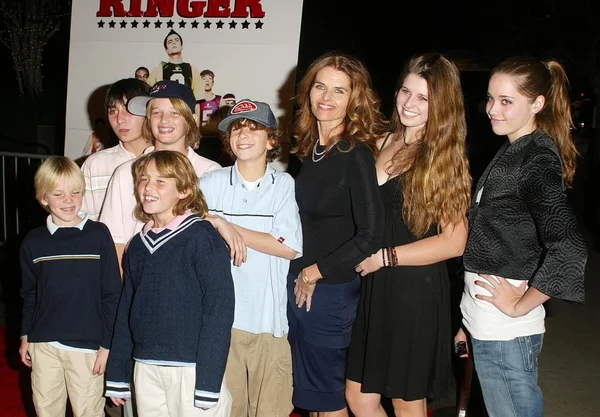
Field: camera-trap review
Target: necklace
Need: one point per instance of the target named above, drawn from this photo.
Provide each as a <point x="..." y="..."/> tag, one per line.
<point x="316" y="156"/>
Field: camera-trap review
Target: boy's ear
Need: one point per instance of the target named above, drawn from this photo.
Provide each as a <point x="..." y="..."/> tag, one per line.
<point x="184" y="194"/>
<point x="271" y="143"/>
<point x="43" y="202"/>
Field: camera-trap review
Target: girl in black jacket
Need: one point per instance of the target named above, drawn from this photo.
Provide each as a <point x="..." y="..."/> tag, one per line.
<point x="524" y="245"/>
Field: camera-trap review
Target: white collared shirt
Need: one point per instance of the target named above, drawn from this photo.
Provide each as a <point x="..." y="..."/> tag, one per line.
<point x="97" y="170"/>
<point x="119" y="204"/>
<point x="270" y="207"/>
<point x="53" y="227"/>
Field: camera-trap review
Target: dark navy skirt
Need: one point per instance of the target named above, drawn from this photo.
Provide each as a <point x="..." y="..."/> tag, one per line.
<point x="319" y="340"/>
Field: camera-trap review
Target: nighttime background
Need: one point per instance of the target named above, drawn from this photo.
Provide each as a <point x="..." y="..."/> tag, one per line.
<point x="384" y="34"/>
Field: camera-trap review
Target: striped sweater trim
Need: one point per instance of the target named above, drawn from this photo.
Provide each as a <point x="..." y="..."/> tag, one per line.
<point x="118" y="389"/>
<point x="154" y="244"/>
<point x="63" y="257"/>
<point x="205" y="399"/>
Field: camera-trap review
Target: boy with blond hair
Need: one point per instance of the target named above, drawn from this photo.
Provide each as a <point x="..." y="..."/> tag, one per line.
<point x="71" y="288"/>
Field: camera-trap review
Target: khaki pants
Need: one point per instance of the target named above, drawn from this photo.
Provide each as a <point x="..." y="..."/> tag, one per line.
<point x="168" y="391"/>
<point x="259" y="375"/>
<point x="58" y="372"/>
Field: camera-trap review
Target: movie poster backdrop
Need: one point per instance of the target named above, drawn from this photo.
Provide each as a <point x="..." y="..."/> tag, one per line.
<point x="225" y="50"/>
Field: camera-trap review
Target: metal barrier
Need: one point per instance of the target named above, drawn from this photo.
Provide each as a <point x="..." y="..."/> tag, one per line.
<point x="19" y="207"/>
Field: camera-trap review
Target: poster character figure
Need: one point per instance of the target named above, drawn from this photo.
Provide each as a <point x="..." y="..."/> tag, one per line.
<point x="142" y="73"/>
<point x="175" y="69"/>
<point x="210" y="103"/>
<point x="96" y="140"/>
<point x="227" y="103"/>
<point x="228" y="100"/>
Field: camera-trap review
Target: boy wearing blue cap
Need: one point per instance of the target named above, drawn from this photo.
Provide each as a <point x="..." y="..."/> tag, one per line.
<point x="260" y="204"/>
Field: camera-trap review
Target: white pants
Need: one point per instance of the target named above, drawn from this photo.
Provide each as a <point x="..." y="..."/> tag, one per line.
<point x="168" y="391"/>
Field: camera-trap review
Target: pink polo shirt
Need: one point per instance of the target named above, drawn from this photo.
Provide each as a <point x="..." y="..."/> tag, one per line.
<point x="119" y="203"/>
<point x="97" y="170"/>
<point x="172" y="225"/>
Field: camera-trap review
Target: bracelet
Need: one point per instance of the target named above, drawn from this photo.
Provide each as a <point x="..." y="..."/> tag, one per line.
<point x="306" y="280"/>
<point x="392" y="257"/>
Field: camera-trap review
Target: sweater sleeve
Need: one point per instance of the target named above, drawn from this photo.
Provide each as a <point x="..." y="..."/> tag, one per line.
<point x="561" y="271"/>
<point x="111" y="286"/>
<point x="367" y="212"/>
<point x="119" y="368"/>
<point x="28" y="289"/>
<point x="213" y="269"/>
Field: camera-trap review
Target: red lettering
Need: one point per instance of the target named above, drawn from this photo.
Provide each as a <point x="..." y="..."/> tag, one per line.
<point x="106" y="5"/>
<point x="242" y="6"/>
<point x="218" y="8"/>
<point x="135" y="8"/>
<point x="164" y="8"/>
<point x="185" y="8"/>
<point x="197" y="8"/>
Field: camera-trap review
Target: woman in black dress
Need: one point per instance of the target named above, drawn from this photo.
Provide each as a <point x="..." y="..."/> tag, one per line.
<point x="337" y="125"/>
<point x="401" y="341"/>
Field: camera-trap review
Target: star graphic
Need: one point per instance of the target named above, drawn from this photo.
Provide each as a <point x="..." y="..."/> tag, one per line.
<point x="232" y="24"/>
<point x="259" y="24"/>
<point x="182" y="24"/>
<point x="207" y="25"/>
<point x="170" y="23"/>
<point x="101" y="24"/>
<point x="157" y="24"/>
<point x="245" y="24"/>
<point x="123" y="24"/>
<point x="146" y="24"/>
<point x="112" y="24"/>
<point x="134" y="24"/>
<point x="195" y="24"/>
<point x="220" y="24"/>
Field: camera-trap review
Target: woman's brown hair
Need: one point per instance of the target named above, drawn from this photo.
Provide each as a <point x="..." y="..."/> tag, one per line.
<point x="174" y="165"/>
<point x="434" y="170"/>
<point x="192" y="137"/>
<point x="534" y="78"/>
<point x="363" y="122"/>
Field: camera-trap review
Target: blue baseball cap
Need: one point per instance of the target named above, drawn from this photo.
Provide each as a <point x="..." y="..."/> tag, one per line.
<point x="257" y="111"/>
<point x="162" y="89"/>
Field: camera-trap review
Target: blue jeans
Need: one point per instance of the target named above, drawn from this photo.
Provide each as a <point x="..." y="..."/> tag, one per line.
<point x="508" y="373"/>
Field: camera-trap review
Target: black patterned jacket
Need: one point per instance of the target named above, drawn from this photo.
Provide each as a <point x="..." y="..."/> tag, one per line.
<point x="523" y="226"/>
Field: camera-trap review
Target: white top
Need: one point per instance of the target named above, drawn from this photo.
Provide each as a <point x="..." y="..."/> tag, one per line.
<point x="119" y="203"/>
<point x="260" y="282"/>
<point x="97" y="170"/>
<point x="485" y="322"/>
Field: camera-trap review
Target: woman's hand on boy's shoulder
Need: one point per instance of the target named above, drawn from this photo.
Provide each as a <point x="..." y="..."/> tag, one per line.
<point x="24" y="352"/>
<point x="100" y="364"/>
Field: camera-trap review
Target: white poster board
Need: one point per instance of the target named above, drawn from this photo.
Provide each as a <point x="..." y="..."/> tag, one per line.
<point x="251" y="47"/>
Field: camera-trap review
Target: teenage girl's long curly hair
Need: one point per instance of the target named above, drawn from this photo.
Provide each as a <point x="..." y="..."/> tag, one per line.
<point x="363" y="122"/>
<point x="434" y="171"/>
